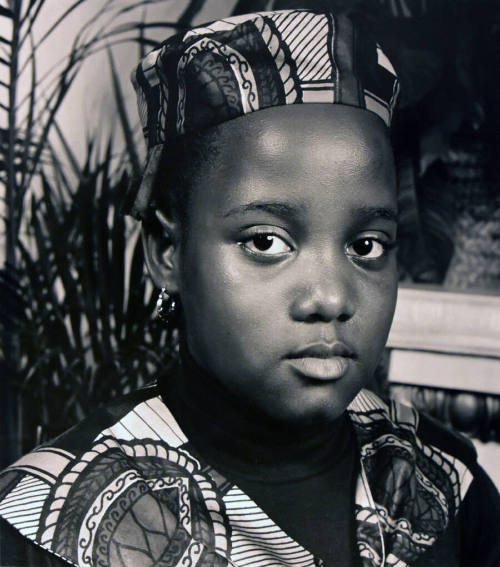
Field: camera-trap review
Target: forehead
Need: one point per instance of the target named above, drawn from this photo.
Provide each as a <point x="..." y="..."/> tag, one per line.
<point x="318" y="155"/>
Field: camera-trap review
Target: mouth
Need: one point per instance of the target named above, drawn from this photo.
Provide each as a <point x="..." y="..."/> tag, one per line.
<point x="322" y="362"/>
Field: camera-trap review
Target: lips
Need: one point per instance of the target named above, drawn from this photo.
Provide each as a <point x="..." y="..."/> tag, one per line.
<point x="322" y="361"/>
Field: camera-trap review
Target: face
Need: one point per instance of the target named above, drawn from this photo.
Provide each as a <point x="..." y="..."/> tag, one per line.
<point x="287" y="276"/>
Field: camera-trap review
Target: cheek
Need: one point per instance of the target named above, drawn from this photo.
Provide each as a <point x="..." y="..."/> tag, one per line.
<point x="380" y="300"/>
<point x="225" y="300"/>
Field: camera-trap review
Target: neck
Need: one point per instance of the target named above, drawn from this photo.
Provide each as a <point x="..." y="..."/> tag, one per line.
<point x="239" y="439"/>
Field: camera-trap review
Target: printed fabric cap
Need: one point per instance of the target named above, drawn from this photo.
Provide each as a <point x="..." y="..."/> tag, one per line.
<point x="231" y="67"/>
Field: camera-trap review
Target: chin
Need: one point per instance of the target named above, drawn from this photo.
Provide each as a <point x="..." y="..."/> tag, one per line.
<point x="313" y="407"/>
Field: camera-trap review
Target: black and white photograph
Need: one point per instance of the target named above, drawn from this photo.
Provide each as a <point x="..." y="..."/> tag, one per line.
<point x="250" y="283"/>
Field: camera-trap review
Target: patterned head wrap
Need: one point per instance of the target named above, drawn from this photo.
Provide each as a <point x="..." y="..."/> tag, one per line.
<point x="243" y="64"/>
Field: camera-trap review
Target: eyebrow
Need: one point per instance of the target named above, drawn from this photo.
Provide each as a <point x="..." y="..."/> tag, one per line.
<point x="282" y="210"/>
<point x="366" y="213"/>
<point x="285" y="210"/>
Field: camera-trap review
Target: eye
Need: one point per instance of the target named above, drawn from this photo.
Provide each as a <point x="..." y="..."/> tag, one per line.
<point x="368" y="248"/>
<point x="266" y="244"/>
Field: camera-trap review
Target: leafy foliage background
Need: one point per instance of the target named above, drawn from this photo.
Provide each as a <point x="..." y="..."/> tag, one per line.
<point x="77" y="316"/>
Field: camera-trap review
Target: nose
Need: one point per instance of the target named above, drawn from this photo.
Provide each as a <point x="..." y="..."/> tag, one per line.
<point x="327" y="293"/>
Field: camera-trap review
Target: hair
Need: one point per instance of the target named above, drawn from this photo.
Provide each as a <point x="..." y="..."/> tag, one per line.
<point x="179" y="169"/>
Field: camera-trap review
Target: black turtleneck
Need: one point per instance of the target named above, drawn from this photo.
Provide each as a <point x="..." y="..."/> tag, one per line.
<point x="302" y="476"/>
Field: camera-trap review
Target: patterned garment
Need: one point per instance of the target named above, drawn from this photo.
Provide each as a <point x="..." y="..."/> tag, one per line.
<point x="135" y="495"/>
<point x="247" y="63"/>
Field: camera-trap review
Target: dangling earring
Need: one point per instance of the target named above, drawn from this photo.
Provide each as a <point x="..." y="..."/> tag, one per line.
<point x="165" y="306"/>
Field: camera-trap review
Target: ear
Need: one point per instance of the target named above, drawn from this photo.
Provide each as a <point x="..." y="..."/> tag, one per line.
<point x="160" y="238"/>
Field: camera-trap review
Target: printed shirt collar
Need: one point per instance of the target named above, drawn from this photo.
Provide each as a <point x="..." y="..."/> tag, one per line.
<point x="407" y="492"/>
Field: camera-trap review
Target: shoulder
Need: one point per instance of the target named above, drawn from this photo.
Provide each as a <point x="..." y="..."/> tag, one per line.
<point x="17" y="551"/>
<point x="50" y="458"/>
<point x="476" y="528"/>
<point x="79" y="437"/>
<point x="434" y="433"/>
<point x="479" y="522"/>
<point x="108" y="484"/>
<point x="376" y="416"/>
<point x="116" y="427"/>
<point x="474" y="533"/>
<point x="51" y="491"/>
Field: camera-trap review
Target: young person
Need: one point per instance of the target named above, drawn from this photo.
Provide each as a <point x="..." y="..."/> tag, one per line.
<point x="269" y="211"/>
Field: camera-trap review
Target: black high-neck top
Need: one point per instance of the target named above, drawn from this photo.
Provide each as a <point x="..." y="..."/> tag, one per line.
<point x="303" y="477"/>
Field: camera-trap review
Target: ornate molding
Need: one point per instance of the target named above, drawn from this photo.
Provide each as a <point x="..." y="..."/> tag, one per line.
<point x="477" y="415"/>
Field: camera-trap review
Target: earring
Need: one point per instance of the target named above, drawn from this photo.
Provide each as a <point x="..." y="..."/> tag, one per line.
<point x="165" y="306"/>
